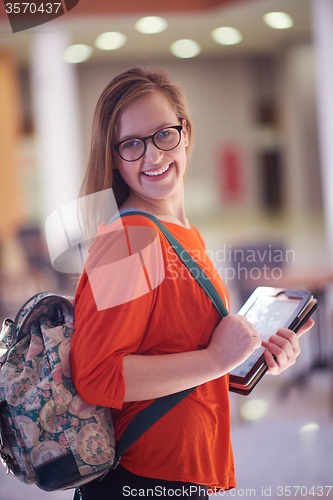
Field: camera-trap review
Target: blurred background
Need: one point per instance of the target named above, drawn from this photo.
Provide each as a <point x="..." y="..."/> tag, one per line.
<point x="258" y="78"/>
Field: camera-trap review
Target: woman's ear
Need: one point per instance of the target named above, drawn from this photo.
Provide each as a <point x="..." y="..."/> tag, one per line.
<point x="184" y="132"/>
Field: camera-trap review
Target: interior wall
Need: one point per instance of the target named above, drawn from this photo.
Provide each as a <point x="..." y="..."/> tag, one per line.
<point x="295" y="71"/>
<point x="11" y="206"/>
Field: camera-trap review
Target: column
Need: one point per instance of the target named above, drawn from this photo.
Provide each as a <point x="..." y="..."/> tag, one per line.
<point x="322" y="19"/>
<point x="56" y="115"/>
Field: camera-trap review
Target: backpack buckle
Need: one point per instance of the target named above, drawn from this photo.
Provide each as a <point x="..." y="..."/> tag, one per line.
<point x="9" y="462"/>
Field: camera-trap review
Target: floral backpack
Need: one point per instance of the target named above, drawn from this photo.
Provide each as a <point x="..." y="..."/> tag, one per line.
<point x="48" y="435"/>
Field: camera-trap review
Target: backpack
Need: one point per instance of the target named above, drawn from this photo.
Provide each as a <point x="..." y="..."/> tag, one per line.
<point x="48" y="435"/>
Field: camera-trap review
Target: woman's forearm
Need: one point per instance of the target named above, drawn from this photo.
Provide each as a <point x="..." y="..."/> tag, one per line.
<point x="149" y="377"/>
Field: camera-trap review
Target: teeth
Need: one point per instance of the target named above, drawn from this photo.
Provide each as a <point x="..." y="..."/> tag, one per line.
<point x="160" y="172"/>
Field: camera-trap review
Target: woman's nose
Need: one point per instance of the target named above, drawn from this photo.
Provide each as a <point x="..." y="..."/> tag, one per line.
<point x="152" y="153"/>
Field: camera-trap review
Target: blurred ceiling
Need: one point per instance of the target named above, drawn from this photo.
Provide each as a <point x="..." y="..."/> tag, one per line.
<point x="193" y="19"/>
<point x="129" y="6"/>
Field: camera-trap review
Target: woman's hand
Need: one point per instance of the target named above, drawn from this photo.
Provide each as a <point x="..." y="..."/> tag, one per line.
<point x="282" y="349"/>
<point x="232" y="342"/>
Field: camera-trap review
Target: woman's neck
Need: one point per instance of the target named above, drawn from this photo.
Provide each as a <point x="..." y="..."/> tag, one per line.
<point x="165" y="210"/>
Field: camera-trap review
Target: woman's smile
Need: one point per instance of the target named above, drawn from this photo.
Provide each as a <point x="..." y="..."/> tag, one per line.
<point x="157" y="173"/>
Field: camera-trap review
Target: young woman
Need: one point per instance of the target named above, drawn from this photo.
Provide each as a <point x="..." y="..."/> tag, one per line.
<point x="171" y="337"/>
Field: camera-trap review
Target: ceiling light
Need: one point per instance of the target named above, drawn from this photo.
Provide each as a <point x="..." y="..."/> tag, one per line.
<point x="77" y="53"/>
<point x="111" y="40"/>
<point x="254" y="409"/>
<point x="185" y="48"/>
<point x="151" y="24"/>
<point x="278" y="20"/>
<point x="227" y="35"/>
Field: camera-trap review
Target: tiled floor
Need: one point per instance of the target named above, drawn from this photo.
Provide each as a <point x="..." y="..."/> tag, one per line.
<point x="288" y="452"/>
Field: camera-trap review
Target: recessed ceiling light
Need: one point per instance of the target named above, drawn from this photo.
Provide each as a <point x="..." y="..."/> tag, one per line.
<point x="227" y="35"/>
<point x="111" y="40"/>
<point x="185" y="48"/>
<point x="77" y="53"/>
<point x="278" y="20"/>
<point x="151" y="24"/>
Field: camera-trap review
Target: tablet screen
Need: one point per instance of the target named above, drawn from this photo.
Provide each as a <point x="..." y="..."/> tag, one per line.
<point x="268" y="315"/>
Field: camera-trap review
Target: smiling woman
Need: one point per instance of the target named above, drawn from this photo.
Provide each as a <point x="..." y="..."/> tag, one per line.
<point x="170" y="337"/>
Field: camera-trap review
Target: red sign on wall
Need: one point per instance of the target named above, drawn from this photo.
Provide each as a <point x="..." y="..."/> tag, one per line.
<point x="231" y="173"/>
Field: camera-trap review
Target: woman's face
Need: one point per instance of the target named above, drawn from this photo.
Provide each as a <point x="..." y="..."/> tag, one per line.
<point x="158" y="175"/>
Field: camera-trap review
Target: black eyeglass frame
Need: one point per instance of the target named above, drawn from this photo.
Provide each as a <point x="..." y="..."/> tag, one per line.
<point x="152" y="137"/>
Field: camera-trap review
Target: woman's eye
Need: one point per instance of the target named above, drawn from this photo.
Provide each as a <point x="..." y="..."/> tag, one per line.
<point x="163" y="134"/>
<point x="131" y="144"/>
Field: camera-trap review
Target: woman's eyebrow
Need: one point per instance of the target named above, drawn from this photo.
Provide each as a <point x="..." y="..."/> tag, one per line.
<point x="132" y="136"/>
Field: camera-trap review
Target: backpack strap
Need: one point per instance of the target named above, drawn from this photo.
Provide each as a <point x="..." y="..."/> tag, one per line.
<point x="188" y="261"/>
<point x="160" y="406"/>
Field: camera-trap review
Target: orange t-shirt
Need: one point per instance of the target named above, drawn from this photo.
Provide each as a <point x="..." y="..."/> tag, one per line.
<point x="191" y="443"/>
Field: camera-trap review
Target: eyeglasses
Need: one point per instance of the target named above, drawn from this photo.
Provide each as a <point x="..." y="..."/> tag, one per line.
<point x="164" y="139"/>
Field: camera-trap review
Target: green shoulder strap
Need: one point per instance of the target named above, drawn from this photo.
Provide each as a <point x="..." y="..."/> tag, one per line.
<point x="188" y="261"/>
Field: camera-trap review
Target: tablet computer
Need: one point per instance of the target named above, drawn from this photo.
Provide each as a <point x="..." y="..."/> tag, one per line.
<point x="269" y="309"/>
